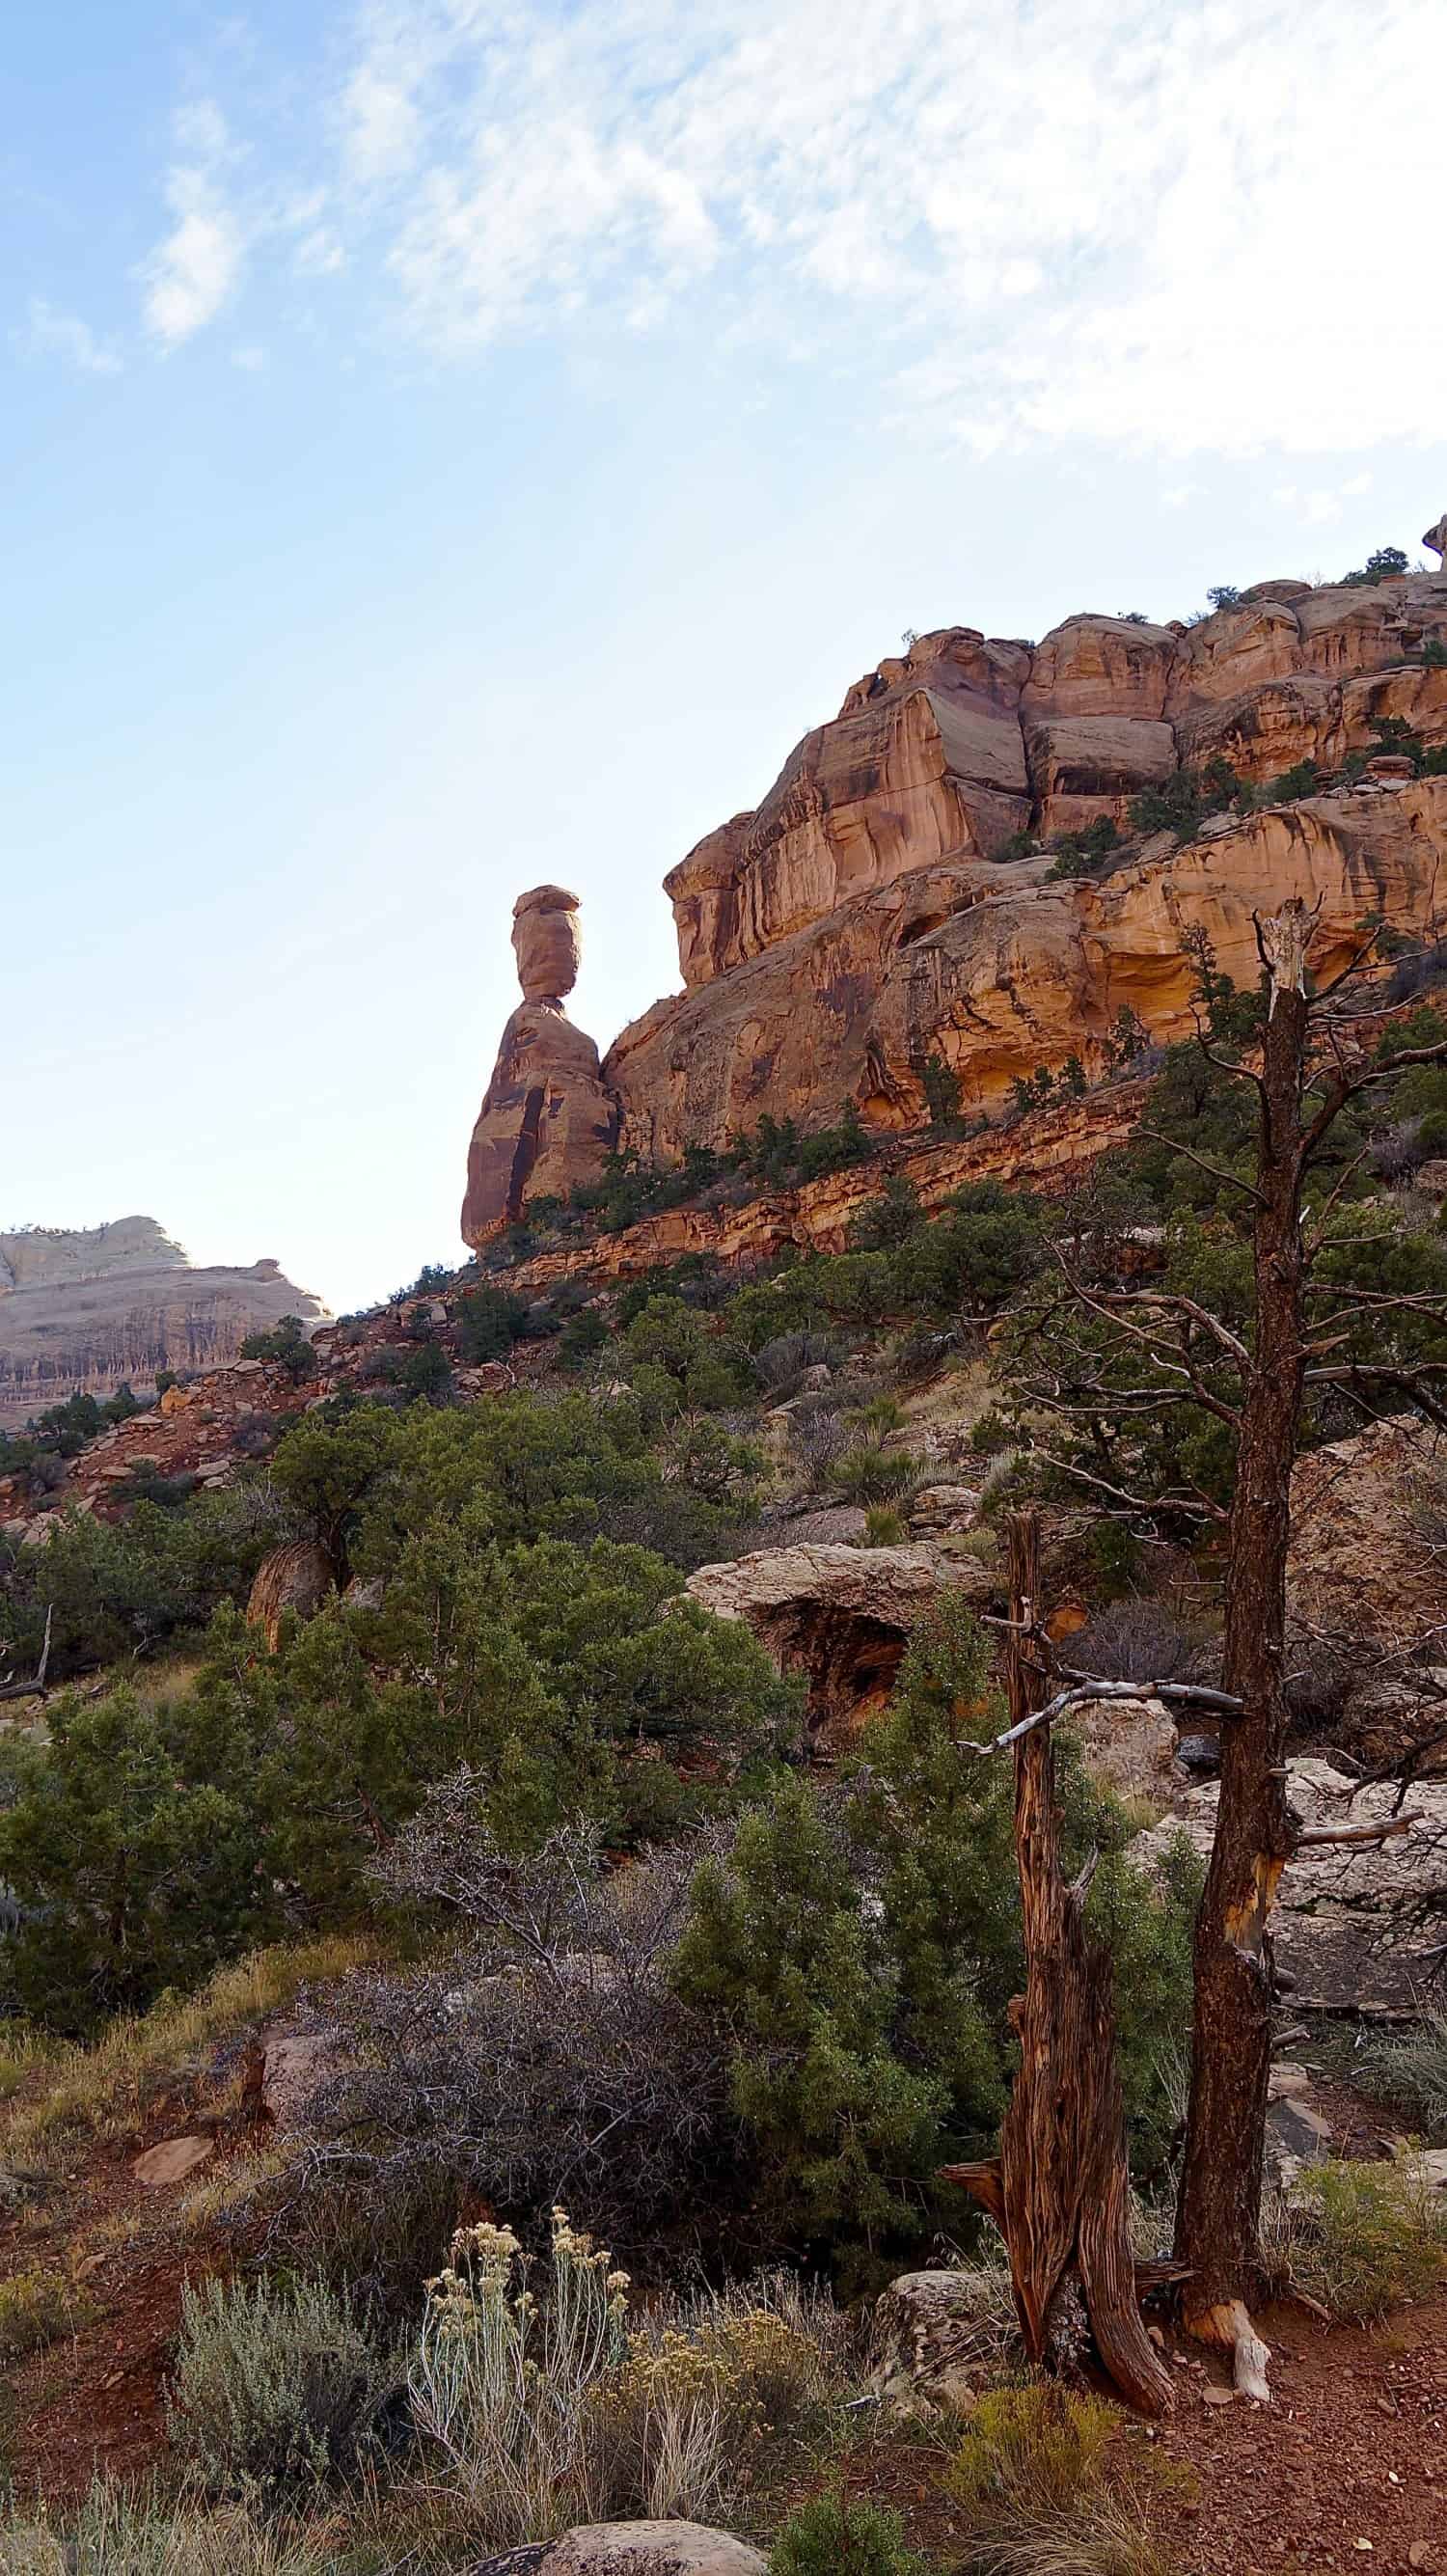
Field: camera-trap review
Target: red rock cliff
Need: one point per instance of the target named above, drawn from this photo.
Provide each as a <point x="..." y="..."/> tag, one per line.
<point x="871" y="911"/>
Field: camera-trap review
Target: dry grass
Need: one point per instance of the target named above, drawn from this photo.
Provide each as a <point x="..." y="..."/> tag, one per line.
<point x="1361" y="2239"/>
<point x="115" y="2534"/>
<point x="104" y="2089"/>
<point x="1040" y="2493"/>
<point x="36" y="2308"/>
<point x="1408" y="2069"/>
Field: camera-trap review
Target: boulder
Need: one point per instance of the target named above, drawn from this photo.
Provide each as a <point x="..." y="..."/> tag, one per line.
<point x="840" y="1615"/>
<point x="1337" y="1922"/>
<point x="296" y="1577"/>
<point x="1130" y="1744"/>
<point x="662" y="2548"/>
<point x="295" y="2066"/>
<point x="943" y="1507"/>
<point x="934" y="2335"/>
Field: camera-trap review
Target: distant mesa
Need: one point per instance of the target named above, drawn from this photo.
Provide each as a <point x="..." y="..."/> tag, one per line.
<point x="900" y="895"/>
<point x="84" y="1310"/>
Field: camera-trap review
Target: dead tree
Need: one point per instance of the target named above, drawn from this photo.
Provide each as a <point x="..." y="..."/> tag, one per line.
<point x="1059" y="2189"/>
<point x="1305" y="1339"/>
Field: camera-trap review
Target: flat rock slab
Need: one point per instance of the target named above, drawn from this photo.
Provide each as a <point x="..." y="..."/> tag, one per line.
<point x="172" y="2161"/>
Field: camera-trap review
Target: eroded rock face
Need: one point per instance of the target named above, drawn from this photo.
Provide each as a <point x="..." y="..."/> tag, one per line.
<point x="546" y="1120"/>
<point x="81" y="1312"/>
<point x="296" y="1577"/>
<point x="998" y="969"/>
<point x="872" y="911"/>
<point x="840" y="1615"/>
<point x="1338" y="1923"/>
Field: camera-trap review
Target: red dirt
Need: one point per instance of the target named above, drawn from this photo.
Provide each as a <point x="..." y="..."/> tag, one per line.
<point x="1353" y="2449"/>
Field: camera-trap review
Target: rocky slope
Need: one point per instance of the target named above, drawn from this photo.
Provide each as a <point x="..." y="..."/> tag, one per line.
<point x="81" y="1312"/>
<point x="871" y="911"/>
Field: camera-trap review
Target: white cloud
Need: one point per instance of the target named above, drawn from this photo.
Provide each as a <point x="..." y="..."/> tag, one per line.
<point x="194" y="272"/>
<point x="381" y="125"/>
<point x="1138" y="221"/>
<point x="1324" y="507"/>
<point x="52" y="334"/>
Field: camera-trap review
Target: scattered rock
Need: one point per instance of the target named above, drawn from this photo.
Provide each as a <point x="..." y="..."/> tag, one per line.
<point x="172" y="2161"/>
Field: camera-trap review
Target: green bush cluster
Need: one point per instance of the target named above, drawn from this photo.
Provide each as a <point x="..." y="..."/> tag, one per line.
<point x="285" y="1346"/>
<point x="871" y="2042"/>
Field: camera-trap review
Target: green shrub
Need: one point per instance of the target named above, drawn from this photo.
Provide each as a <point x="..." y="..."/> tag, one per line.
<point x="276" y="2390"/>
<point x="1302" y="779"/>
<point x="777" y="1947"/>
<point x="1433" y="656"/>
<point x="869" y="1473"/>
<point x="942" y="1096"/>
<point x="1178" y="805"/>
<point x="286" y="1346"/>
<point x="834" y="2535"/>
<point x="1033" y="2447"/>
<point x="1361" y="2238"/>
<point x="581" y="1338"/>
<point x="1386" y="564"/>
<point x="1083" y="853"/>
<point x="1031" y="2484"/>
<point x="487" y="1322"/>
<point x="884" y="1526"/>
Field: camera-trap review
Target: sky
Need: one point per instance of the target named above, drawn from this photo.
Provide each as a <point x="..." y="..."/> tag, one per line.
<point x="447" y="445"/>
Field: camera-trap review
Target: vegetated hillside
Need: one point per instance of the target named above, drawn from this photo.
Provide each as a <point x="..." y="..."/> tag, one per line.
<point x="87" y="1311"/>
<point x="993" y="852"/>
<point x="518" y="1753"/>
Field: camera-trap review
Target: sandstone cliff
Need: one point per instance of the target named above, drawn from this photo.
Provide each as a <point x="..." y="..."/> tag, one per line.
<point x="874" y="910"/>
<point x="82" y="1312"/>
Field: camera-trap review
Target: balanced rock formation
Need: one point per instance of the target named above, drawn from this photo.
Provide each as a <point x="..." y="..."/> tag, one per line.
<point x="884" y="903"/>
<point x="83" y="1312"/>
<point x="546" y="1120"/>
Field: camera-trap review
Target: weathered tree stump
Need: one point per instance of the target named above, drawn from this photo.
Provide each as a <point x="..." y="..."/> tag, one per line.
<point x="1060" y="2187"/>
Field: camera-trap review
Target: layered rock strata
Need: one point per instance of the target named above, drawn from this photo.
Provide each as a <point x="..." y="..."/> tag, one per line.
<point x="82" y="1313"/>
<point x="873" y="911"/>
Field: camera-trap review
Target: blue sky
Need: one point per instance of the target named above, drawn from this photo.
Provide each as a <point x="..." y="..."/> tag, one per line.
<point x="447" y="444"/>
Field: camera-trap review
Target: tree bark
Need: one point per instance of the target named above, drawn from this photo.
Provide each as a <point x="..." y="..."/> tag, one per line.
<point x="1218" y="2219"/>
<point x="1060" y="2189"/>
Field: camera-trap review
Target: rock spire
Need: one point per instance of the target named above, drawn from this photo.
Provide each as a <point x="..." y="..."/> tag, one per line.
<point x="546" y="1120"/>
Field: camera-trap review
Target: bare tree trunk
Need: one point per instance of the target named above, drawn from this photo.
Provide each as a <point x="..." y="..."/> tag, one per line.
<point x="1218" y="2220"/>
<point x="1060" y="2189"/>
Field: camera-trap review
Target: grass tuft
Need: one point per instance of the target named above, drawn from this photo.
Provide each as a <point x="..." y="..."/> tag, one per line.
<point x="1359" y="2238"/>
